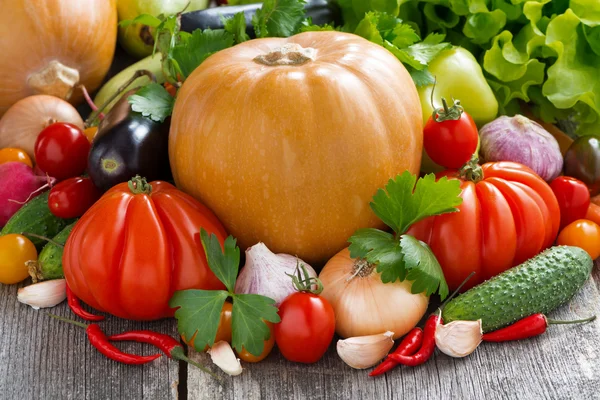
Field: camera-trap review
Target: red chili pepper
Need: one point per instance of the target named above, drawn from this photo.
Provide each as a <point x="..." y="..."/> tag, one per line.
<point x="531" y="326"/>
<point x="99" y="340"/>
<point x="171" y="347"/>
<point x="75" y="306"/>
<point x="426" y="349"/>
<point x="409" y="345"/>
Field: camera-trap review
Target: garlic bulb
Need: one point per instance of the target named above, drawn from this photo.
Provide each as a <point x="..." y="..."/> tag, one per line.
<point x="223" y="356"/>
<point x="365" y="351"/>
<point x="458" y="338"/>
<point x="44" y="294"/>
<point x="265" y="273"/>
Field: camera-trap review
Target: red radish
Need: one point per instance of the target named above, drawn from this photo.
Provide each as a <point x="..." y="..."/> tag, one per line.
<point x="18" y="185"/>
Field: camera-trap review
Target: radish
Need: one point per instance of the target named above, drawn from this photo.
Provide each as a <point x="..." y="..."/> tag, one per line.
<point x="18" y="184"/>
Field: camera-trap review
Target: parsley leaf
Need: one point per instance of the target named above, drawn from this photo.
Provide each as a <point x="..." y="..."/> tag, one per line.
<point x="152" y="101"/>
<point x="421" y="77"/>
<point x="247" y="321"/>
<point x="404" y="202"/>
<point x="399" y="207"/>
<point x="423" y="268"/>
<point x="224" y="264"/>
<point x="194" y="49"/>
<point x="279" y="18"/>
<point x="198" y="313"/>
<point x="236" y="26"/>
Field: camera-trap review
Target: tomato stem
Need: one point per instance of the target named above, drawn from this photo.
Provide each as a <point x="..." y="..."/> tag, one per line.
<point x="139" y="185"/>
<point x="472" y="171"/>
<point x="303" y="282"/>
<point x="446" y="113"/>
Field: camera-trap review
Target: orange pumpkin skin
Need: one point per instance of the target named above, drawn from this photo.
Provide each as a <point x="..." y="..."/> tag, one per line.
<point x="129" y="253"/>
<point x="80" y="34"/>
<point x="291" y="155"/>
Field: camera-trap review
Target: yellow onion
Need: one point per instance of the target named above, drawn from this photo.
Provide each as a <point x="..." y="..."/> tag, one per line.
<point x="50" y="46"/>
<point x="24" y="121"/>
<point x="363" y="304"/>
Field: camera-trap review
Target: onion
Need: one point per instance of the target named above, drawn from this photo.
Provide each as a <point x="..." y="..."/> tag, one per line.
<point x="265" y="273"/>
<point x="524" y="141"/>
<point x="363" y="304"/>
<point x="24" y="121"/>
<point x="49" y="46"/>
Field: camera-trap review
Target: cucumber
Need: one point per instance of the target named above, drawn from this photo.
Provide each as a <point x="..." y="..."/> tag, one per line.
<point x="539" y="285"/>
<point x="49" y="263"/>
<point x="35" y="217"/>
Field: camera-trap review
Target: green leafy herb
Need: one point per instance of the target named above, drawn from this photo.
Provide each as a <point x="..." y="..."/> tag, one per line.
<point x="190" y="52"/>
<point x="144" y="19"/>
<point x="279" y="18"/>
<point x="152" y="101"/>
<point x="404" y="202"/>
<point x="236" y="26"/>
<point x="198" y="311"/>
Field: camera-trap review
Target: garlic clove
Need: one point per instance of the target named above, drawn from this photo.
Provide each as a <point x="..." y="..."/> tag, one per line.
<point x="365" y="351"/>
<point x="222" y="356"/>
<point x="458" y="338"/>
<point x="43" y="294"/>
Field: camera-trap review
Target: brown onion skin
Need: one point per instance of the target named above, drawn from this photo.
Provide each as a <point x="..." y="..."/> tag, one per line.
<point x="80" y="34"/>
<point x="24" y="121"/>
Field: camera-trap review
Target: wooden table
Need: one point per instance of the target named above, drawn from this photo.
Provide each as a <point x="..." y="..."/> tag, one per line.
<point x="42" y="358"/>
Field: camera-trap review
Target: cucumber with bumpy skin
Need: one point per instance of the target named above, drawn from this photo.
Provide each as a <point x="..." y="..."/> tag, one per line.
<point x="539" y="285"/>
<point x="49" y="263"/>
<point x="35" y="217"/>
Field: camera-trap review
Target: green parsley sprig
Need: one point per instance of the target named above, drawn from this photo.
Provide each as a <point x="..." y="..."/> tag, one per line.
<point x="404" y="202"/>
<point x="198" y="311"/>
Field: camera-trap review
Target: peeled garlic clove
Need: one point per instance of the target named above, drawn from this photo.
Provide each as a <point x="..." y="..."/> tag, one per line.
<point x="43" y="294"/>
<point x="365" y="351"/>
<point x="223" y="356"/>
<point x="458" y="338"/>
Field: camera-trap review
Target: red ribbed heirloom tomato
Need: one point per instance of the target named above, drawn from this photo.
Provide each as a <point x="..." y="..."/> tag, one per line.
<point x="508" y="215"/>
<point x="136" y="246"/>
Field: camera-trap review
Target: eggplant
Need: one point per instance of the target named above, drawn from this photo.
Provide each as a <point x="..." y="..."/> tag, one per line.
<point x="321" y="12"/>
<point x="129" y="144"/>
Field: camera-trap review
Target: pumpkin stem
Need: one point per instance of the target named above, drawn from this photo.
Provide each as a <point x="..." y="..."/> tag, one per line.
<point x="288" y="54"/>
<point x="139" y="185"/>
<point x="471" y="171"/>
<point x="55" y="79"/>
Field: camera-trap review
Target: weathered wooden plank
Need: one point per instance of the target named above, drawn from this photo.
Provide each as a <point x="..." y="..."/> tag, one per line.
<point x="41" y="358"/>
<point x="562" y="364"/>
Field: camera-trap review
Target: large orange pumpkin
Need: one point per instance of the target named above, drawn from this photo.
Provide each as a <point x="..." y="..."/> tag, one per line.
<point x="287" y="140"/>
<point x="49" y="46"/>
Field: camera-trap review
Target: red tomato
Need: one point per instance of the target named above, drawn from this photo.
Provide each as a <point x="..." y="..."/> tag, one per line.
<point x="451" y="143"/>
<point x="506" y="218"/>
<point x="71" y="198"/>
<point x="61" y="150"/>
<point x="306" y="328"/>
<point x="573" y="199"/>
<point x="583" y="234"/>
<point x="138" y="245"/>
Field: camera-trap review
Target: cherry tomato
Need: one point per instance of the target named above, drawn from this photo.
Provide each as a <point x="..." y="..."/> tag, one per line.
<point x="71" y="198"/>
<point x="573" y="199"/>
<point x="269" y="343"/>
<point x="11" y="154"/>
<point x="584" y="234"/>
<point x="306" y="328"/>
<point x="224" y="329"/>
<point x="90" y="133"/>
<point x="61" y="150"/>
<point x="15" y="250"/>
<point x="451" y="142"/>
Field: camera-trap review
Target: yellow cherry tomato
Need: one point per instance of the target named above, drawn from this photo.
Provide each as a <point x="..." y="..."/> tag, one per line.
<point x="224" y="329"/>
<point x="15" y="251"/>
<point x="12" y="154"/>
<point x="269" y="343"/>
<point x="584" y="234"/>
<point x="90" y="133"/>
